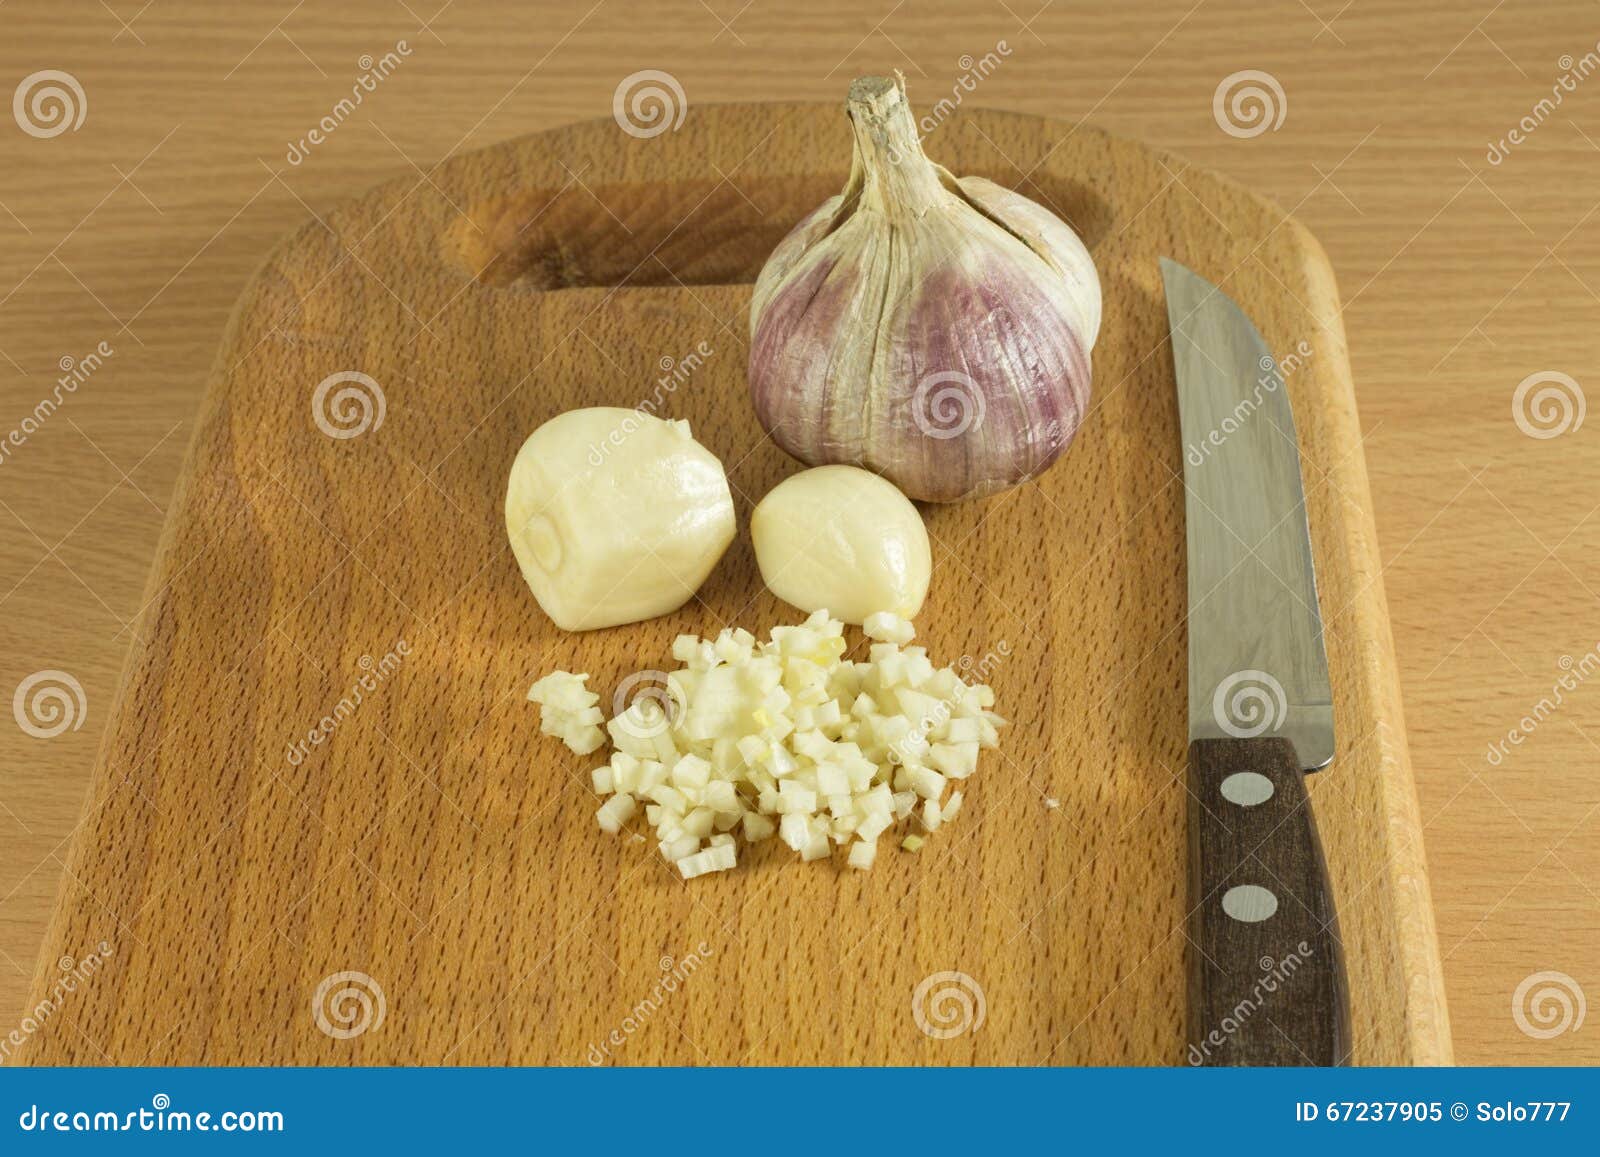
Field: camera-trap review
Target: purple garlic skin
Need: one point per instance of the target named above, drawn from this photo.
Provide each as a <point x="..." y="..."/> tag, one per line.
<point x="936" y="331"/>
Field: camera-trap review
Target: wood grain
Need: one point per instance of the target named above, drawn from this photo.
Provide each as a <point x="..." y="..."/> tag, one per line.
<point x="436" y="843"/>
<point x="1460" y="278"/>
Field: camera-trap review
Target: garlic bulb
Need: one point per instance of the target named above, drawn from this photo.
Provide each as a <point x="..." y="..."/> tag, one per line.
<point x="933" y="329"/>
<point x="615" y="516"/>
<point x="839" y="539"/>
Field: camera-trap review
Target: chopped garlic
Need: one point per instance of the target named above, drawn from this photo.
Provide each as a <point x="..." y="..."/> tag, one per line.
<point x="691" y="771"/>
<point x="872" y="827"/>
<point x="952" y="807"/>
<point x="888" y="627"/>
<point x="714" y="859"/>
<point x="615" y="812"/>
<point x="817" y="846"/>
<point x="569" y="711"/>
<point x="679" y="848"/>
<point x="786" y="738"/>
<point x="926" y="783"/>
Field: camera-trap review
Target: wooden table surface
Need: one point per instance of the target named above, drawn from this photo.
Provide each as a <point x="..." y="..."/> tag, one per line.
<point x="1469" y="261"/>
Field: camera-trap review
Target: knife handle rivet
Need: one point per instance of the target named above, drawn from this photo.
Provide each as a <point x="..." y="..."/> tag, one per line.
<point x="1247" y="788"/>
<point x="1249" y="903"/>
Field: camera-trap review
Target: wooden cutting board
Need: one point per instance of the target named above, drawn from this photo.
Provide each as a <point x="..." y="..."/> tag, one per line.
<point x="438" y="857"/>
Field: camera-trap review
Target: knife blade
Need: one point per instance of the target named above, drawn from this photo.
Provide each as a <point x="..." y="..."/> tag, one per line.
<point x="1266" y="975"/>
<point x="1252" y="586"/>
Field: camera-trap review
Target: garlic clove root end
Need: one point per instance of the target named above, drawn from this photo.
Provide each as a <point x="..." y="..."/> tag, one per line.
<point x="615" y="516"/>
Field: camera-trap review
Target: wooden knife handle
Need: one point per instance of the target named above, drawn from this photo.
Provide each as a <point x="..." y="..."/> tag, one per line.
<point x="1266" y="971"/>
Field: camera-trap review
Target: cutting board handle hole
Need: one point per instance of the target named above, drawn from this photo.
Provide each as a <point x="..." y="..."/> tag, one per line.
<point x="690" y="232"/>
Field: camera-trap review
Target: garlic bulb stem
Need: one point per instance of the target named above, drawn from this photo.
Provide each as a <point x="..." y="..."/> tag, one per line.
<point x="896" y="178"/>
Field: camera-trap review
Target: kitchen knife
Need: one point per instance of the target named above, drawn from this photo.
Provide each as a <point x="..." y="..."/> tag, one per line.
<point x="1266" y="977"/>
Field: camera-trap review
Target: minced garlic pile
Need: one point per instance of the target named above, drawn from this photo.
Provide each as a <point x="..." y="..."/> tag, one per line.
<point x="785" y="737"/>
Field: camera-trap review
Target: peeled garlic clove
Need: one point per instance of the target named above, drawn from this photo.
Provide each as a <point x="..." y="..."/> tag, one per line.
<point x="615" y="516"/>
<point x="932" y="329"/>
<point x="840" y="539"/>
